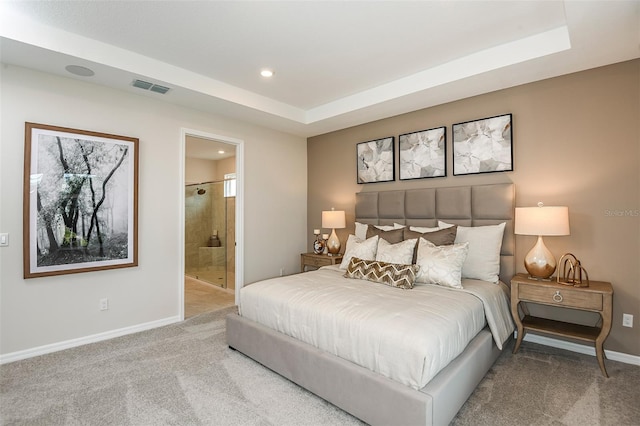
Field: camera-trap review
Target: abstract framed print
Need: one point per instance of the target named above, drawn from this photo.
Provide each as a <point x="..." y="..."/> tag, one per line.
<point x="483" y="146"/>
<point x="376" y="161"/>
<point x="423" y="154"/>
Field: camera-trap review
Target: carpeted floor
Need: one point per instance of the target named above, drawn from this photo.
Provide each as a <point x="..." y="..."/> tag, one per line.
<point x="184" y="374"/>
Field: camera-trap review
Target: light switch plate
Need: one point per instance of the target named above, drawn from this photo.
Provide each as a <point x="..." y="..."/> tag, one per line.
<point x="4" y="239"/>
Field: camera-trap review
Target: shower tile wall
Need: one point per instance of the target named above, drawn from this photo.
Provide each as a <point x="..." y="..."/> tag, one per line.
<point x="203" y="214"/>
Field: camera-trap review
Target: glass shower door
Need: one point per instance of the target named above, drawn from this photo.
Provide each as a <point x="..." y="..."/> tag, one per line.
<point x="206" y="233"/>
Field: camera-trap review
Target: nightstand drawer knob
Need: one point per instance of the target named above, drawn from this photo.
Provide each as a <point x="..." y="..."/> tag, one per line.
<point x="557" y="297"/>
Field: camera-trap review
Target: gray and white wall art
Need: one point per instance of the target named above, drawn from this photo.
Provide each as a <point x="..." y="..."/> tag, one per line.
<point x="376" y="160"/>
<point x="423" y="154"/>
<point x="483" y="146"/>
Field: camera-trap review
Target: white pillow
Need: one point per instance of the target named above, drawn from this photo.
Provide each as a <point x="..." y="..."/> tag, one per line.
<point x="422" y="229"/>
<point x="363" y="249"/>
<point x="485" y="243"/>
<point x="440" y="264"/>
<point x="401" y="253"/>
<point x="361" y="229"/>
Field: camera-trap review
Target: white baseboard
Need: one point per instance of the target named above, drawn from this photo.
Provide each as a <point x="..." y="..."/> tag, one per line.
<point x="583" y="349"/>
<point x="67" y="344"/>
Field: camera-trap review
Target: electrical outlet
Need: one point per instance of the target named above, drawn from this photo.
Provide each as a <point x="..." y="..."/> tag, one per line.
<point x="104" y="304"/>
<point x="281" y="271"/>
<point x="627" y="320"/>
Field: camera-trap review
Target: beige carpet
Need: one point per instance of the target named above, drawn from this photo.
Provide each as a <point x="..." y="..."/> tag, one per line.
<point x="184" y="374"/>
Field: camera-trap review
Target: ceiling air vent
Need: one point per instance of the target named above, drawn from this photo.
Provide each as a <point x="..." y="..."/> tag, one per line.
<point x="140" y="84"/>
<point x="145" y="85"/>
<point x="159" y="89"/>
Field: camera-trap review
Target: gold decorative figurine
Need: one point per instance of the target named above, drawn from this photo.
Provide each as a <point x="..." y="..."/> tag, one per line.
<point x="570" y="272"/>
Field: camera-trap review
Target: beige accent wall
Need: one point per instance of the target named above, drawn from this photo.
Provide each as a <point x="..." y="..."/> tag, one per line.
<point x="576" y="143"/>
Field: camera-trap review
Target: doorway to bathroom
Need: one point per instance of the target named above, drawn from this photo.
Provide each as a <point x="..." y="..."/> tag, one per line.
<point x="210" y="210"/>
<point x="209" y="231"/>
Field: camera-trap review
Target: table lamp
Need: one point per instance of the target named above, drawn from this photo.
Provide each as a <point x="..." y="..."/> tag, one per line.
<point x="541" y="221"/>
<point x="333" y="219"/>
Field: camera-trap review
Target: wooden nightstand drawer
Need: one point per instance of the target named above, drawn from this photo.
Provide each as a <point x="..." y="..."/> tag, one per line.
<point x="568" y="297"/>
<point x="318" y="262"/>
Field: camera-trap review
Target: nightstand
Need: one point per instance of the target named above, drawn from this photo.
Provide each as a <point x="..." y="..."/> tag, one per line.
<point x="595" y="298"/>
<point x="318" y="260"/>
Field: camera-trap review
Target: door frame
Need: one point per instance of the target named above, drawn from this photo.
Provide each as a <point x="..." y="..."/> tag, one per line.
<point x="239" y="243"/>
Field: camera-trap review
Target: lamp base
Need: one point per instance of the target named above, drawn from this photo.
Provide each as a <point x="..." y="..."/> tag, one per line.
<point x="333" y="243"/>
<point x="540" y="262"/>
<point x="531" y="277"/>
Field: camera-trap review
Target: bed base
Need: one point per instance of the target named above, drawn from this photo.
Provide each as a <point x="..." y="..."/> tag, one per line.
<point x="368" y="396"/>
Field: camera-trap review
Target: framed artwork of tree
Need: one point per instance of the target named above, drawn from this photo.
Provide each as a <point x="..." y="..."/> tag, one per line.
<point x="80" y="207"/>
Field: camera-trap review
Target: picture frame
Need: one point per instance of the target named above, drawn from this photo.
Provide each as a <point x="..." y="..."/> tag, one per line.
<point x="483" y="146"/>
<point x="423" y="154"/>
<point x="376" y="160"/>
<point x="80" y="202"/>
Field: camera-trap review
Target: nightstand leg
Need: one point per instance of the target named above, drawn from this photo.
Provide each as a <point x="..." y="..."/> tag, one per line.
<point x="516" y="318"/>
<point x="600" y="356"/>
<point x="519" y="339"/>
<point x="607" y="308"/>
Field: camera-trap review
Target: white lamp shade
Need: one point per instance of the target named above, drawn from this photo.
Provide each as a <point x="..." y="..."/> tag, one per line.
<point x="333" y="219"/>
<point x="552" y="220"/>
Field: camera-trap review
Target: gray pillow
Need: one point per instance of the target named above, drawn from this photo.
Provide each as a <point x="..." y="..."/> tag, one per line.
<point x="392" y="237"/>
<point x="441" y="237"/>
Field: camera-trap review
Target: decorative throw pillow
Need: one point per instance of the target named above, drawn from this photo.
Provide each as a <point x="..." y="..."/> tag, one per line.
<point x="391" y="274"/>
<point x="401" y="252"/>
<point x="485" y="243"/>
<point x="393" y="236"/>
<point x="358" y="248"/>
<point x="441" y="264"/>
<point x="439" y="237"/>
<point x="361" y="229"/>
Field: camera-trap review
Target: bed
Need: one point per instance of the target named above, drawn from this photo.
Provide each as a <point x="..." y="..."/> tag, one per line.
<point x="357" y="382"/>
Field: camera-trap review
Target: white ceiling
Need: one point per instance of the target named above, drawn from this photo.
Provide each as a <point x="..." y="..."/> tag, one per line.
<point x="337" y="63"/>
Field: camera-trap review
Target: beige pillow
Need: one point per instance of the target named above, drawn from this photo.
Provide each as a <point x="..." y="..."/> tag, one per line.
<point x="358" y="248"/>
<point x="441" y="265"/>
<point x="402" y="252"/>
<point x="391" y="274"/>
<point x="485" y="243"/>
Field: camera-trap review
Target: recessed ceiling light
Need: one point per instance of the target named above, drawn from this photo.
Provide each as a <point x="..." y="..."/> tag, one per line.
<point x="79" y="70"/>
<point x="266" y="73"/>
<point x="221" y="152"/>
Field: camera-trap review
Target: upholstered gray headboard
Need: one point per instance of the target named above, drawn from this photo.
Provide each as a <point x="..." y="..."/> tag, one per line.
<point x="463" y="205"/>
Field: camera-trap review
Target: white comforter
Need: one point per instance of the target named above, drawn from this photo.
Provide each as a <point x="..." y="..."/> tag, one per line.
<point x="406" y="335"/>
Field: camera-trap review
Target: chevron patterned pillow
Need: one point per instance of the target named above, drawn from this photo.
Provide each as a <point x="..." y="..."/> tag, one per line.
<point x="391" y="274"/>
